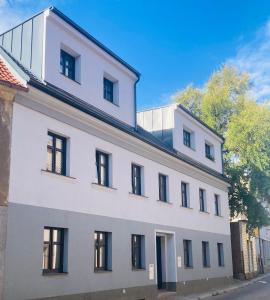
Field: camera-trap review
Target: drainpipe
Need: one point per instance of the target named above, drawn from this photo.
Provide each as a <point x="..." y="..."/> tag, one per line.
<point x="222" y="157"/>
<point x="135" y="103"/>
<point x="260" y="248"/>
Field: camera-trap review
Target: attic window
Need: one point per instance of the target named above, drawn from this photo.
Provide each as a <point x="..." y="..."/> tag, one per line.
<point x="67" y="64"/>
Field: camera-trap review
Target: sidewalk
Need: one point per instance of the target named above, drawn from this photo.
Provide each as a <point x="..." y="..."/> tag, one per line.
<point x="215" y="292"/>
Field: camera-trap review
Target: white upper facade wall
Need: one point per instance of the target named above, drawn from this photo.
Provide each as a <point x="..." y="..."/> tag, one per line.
<point x="92" y="64"/>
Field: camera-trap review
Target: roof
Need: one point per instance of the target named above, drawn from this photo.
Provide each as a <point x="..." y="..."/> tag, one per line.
<point x="85" y="34"/>
<point x="7" y="78"/>
<point x="89" y="109"/>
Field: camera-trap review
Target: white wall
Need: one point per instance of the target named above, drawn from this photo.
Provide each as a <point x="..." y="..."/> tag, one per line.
<point x="94" y="62"/>
<point x="29" y="185"/>
<point x="201" y="134"/>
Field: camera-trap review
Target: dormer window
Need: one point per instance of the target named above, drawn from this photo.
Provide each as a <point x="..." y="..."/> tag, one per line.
<point x="209" y="151"/>
<point x="108" y="87"/>
<point x="187" y="138"/>
<point x="67" y="64"/>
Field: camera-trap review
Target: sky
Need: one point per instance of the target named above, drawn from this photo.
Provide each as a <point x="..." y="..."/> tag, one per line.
<point x="172" y="43"/>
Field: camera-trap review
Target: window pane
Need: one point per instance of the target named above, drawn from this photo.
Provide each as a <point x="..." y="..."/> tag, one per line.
<point x="50" y="140"/>
<point x="49" y="159"/>
<point x="45" y="264"/>
<point x="59" y="144"/>
<point x="56" y="235"/>
<point x="56" y="257"/>
<point x="102" y="257"/>
<point x="58" y="162"/>
<point x="46" y="235"/>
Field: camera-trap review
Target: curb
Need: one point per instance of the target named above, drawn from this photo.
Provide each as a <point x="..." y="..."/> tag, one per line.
<point x="226" y="290"/>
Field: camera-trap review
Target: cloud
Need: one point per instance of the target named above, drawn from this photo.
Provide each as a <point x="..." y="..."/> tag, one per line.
<point x="13" y="12"/>
<point x="254" y="57"/>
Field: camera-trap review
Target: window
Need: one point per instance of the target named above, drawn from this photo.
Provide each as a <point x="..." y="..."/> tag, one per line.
<point x="209" y="151"/>
<point x="136" y="174"/>
<point x="56" y="154"/>
<point x="220" y="254"/>
<point x="67" y="64"/>
<point x="188" y="262"/>
<point x="108" y="89"/>
<point x="217" y="205"/>
<point x="162" y="187"/>
<point x="102" y="162"/>
<point x="53" y="250"/>
<point x="137" y="244"/>
<point x="184" y="191"/>
<point x="205" y="254"/>
<point x="101" y="250"/>
<point x="187" y="138"/>
<point x="202" y="200"/>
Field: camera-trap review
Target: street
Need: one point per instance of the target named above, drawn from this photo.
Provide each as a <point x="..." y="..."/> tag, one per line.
<point x="259" y="290"/>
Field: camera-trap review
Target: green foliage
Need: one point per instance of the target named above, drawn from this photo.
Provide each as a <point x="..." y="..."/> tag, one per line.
<point x="224" y="103"/>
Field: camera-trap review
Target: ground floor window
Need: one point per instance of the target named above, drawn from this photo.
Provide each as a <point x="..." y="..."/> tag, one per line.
<point x="220" y="254"/>
<point x="188" y="261"/>
<point x="137" y="245"/>
<point x="205" y="254"/>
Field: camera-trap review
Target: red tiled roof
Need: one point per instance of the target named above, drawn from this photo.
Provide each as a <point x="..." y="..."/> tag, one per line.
<point x="7" y="78"/>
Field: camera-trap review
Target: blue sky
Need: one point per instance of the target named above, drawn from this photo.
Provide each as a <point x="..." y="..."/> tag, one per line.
<point x="172" y="43"/>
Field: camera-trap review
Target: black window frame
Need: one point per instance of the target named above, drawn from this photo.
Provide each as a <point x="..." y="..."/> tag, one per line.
<point x="187" y="138"/>
<point x="217" y="205"/>
<point x="208" y="150"/>
<point x="184" y="194"/>
<point x="205" y="254"/>
<point x="136" y="179"/>
<point x="51" y="244"/>
<point x="53" y="148"/>
<point x="188" y="260"/>
<point x="108" y="89"/>
<point x="202" y="200"/>
<point x="98" y="245"/>
<point x="163" y="188"/>
<point x="220" y="250"/>
<point x="136" y="251"/>
<point x="104" y="181"/>
<point x="66" y="57"/>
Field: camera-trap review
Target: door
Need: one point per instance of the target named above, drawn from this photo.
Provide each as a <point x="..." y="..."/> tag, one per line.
<point x="159" y="262"/>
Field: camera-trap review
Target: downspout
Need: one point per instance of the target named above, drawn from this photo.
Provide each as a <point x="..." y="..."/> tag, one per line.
<point x="260" y="248"/>
<point x="135" y="103"/>
<point x="222" y="157"/>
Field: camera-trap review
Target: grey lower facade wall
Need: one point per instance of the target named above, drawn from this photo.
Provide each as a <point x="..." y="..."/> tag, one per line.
<point x="24" y="279"/>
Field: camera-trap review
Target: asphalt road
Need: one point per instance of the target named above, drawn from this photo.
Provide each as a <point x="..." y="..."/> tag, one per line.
<point x="259" y="290"/>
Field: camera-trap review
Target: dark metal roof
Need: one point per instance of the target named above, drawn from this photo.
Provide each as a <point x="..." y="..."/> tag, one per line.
<point x="92" y="39"/>
<point x="89" y="109"/>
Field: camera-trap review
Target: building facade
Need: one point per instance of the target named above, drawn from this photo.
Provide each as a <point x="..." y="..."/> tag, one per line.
<point x="98" y="207"/>
<point x="263" y="248"/>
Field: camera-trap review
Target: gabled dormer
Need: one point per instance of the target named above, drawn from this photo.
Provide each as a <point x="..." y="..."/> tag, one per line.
<point x="58" y="51"/>
<point x="179" y="129"/>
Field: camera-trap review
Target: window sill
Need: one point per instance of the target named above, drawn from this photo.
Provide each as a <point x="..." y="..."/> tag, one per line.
<point x="72" y="80"/>
<point x="204" y="212"/>
<point x="140" y="269"/>
<point x="137" y="196"/>
<point x="113" y="103"/>
<point x="219" y="216"/>
<point x="164" y="202"/>
<point x="56" y="175"/>
<point x="103" y="187"/>
<point x="54" y="273"/>
<point x="102" y="271"/>
<point x="188" y="268"/>
<point x="191" y="148"/>
<point x="211" y="159"/>
<point x="207" y="267"/>
<point x="186" y="207"/>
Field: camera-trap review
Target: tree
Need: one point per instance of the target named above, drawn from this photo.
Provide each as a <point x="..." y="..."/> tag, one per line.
<point x="224" y="103"/>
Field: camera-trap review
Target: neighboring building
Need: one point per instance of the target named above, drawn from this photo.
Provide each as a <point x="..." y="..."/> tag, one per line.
<point x="95" y="206"/>
<point x="244" y="255"/>
<point x="263" y="248"/>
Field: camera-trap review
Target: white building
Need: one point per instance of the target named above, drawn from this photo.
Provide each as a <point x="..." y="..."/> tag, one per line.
<point x="98" y="207"/>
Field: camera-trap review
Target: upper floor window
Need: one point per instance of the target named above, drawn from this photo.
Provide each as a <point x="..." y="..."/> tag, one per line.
<point x="162" y="187"/>
<point x="67" y="64"/>
<point x="108" y="90"/>
<point x="184" y="192"/>
<point x="102" y="162"/>
<point x="56" y="154"/>
<point x="209" y="151"/>
<point x="101" y="250"/>
<point x="220" y="254"/>
<point x="217" y="205"/>
<point x="202" y="200"/>
<point x="137" y="245"/>
<point x="205" y="254"/>
<point x="136" y="173"/>
<point x="53" y="250"/>
<point x="188" y="261"/>
<point x="187" y="138"/>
